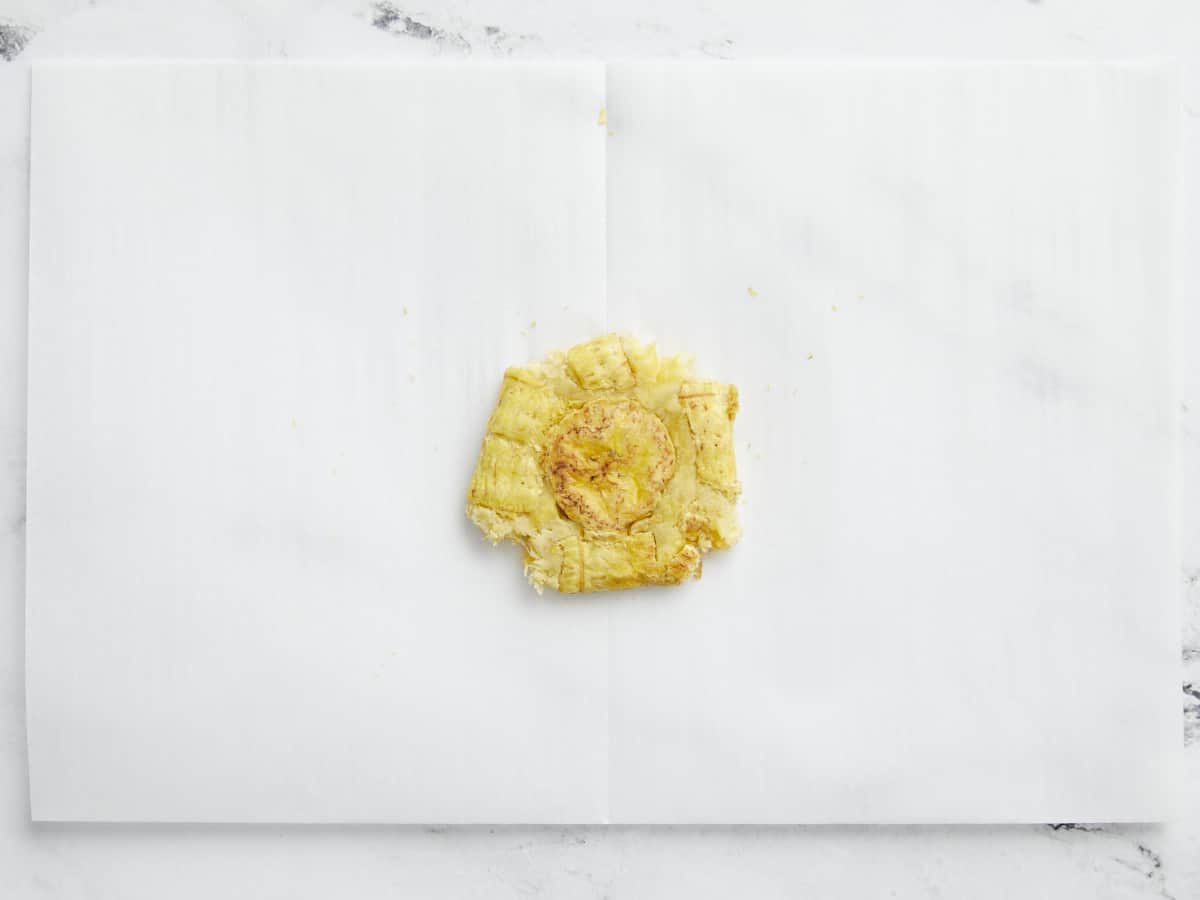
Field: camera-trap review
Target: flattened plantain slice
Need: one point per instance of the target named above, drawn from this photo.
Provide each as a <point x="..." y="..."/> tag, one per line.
<point x="710" y="409"/>
<point x="611" y="466"/>
<point x="607" y="563"/>
<point x="607" y="463"/>
<point x="508" y="479"/>
<point x="601" y="365"/>
<point x="526" y="408"/>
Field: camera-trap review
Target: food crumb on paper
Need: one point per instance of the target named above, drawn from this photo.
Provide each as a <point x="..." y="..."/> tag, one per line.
<point x="404" y="310"/>
<point x="752" y="292"/>
<point x="810" y="356"/>
<point x="602" y="119"/>
<point x="833" y="307"/>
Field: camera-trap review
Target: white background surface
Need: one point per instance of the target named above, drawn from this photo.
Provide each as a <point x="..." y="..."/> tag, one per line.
<point x="307" y="671"/>
<point x="264" y="604"/>
<point x="910" y="328"/>
<point x="78" y="861"/>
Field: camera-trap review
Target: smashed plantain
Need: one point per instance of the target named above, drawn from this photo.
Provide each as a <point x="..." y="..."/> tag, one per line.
<point x="610" y="466"/>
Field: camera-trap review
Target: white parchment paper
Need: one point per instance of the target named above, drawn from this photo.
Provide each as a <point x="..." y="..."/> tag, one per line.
<point x="270" y="306"/>
<point x="944" y="293"/>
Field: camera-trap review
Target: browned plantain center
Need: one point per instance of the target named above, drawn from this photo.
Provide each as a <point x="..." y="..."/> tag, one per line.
<point x="608" y="462"/>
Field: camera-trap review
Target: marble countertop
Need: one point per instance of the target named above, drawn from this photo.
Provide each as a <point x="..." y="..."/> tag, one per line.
<point x="1060" y="860"/>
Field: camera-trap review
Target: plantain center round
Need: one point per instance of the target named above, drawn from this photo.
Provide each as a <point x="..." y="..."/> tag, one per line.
<point x="607" y="463"/>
